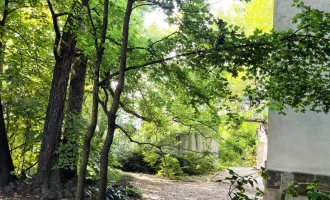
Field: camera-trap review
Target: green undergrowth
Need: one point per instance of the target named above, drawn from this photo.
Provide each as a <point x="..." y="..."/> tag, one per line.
<point x="164" y="164"/>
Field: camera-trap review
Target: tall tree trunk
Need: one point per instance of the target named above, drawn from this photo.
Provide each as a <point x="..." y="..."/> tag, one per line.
<point x="75" y="103"/>
<point x="55" y="109"/>
<point x="6" y="162"/>
<point x="88" y="136"/>
<point x="92" y="126"/>
<point x="115" y="104"/>
<point x="2" y="34"/>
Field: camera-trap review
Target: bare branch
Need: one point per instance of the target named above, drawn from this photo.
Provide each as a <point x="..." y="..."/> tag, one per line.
<point x="146" y="4"/>
<point x="164" y="38"/>
<point x="32" y="57"/>
<point x="19" y="146"/>
<point x="61" y="14"/>
<point x="137" y="142"/>
<point x="20" y="35"/>
<point x="206" y="125"/>
<point x="56" y="29"/>
<point x="128" y="48"/>
<point x="106" y="97"/>
<point x="25" y="170"/>
<point x="191" y="126"/>
<point x="123" y="106"/>
<point x="95" y="10"/>
<point x="158" y="3"/>
<point x="104" y="103"/>
<point x="149" y="143"/>
<point x="93" y="27"/>
<point x="255" y="121"/>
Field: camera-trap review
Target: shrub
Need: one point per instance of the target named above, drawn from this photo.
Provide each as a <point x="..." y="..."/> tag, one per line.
<point x="170" y="167"/>
<point x="195" y="164"/>
<point x="132" y="160"/>
<point x="239" y="147"/>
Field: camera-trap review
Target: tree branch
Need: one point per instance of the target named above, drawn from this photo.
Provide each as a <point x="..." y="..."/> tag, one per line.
<point x="122" y="105"/>
<point x="161" y="60"/>
<point x="196" y="52"/>
<point x="105" y="102"/>
<point x="129" y="48"/>
<point x="158" y="3"/>
<point x="149" y="143"/>
<point x="191" y="126"/>
<point x="25" y="170"/>
<point x="14" y="148"/>
<point x="56" y="29"/>
<point x="21" y="36"/>
<point x="93" y="27"/>
<point x="137" y="142"/>
<point x="164" y="38"/>
<point x="5" y="13"/>
<point x="146" y="4"/>
<point x="61" y="14"/>
<point x="255" y="121"/>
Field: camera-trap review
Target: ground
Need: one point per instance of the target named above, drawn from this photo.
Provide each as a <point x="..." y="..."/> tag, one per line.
<point x="204" y="187"/>
<point x="192" y="188"/>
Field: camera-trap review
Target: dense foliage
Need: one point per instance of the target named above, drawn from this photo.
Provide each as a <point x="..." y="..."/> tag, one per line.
<point x="79" y="78"/>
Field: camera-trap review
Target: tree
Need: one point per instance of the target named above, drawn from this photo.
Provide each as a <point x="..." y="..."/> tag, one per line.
<point x="64" y="52"/>
<point x="25" y="81"/>
<point x="295" y="73"/>
<point x="6" y="163"/>
<point x="170" y="82"/>
<point x="71" y="131"/>
<point x="111" y="115"/>
<point x="99" y="47"/>
<point x="254" y="54"/>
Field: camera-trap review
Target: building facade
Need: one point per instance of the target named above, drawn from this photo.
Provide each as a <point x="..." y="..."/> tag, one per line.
<point x="298" y="144"/>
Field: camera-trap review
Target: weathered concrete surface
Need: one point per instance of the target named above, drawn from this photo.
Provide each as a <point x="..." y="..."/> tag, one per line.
<point x="262" y="145"/>
<point x="196" y="142"/>
<point x="298" y="142"/>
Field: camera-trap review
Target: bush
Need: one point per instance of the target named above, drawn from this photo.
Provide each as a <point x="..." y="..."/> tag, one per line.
<point x="239" y="147"/>
<point x="170" y="167"/>
<point x="195" y="164"/>
<point x="153" y="161"/>
<point x="132" y="160"/>
<point x="118" y="192"/>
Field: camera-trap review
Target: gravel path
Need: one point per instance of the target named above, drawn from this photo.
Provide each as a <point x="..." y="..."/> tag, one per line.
<point x="194" y="188"/>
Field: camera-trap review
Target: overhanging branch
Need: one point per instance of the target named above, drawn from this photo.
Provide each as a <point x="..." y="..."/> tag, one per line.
<point x="122" y="105"/>
<point x="161" y="60"/>
<point x="137" y="142"/>
<point x="149" y="143"/>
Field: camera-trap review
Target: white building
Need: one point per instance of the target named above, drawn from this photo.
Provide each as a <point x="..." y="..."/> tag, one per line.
<point x="298" y="144"/>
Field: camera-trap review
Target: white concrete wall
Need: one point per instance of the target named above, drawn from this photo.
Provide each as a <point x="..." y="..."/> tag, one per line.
<point x="262" y="146"/>
<point x="196" y="142"/>
<point x="298" y="142"/>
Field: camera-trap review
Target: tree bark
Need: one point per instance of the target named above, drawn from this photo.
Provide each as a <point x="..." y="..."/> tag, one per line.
<point x="6" y="163"/>
<point x="115" y="104"/>
<point x="92" y="126"/>
<point x="54" y="114"/>
<point x="75" y="103"/>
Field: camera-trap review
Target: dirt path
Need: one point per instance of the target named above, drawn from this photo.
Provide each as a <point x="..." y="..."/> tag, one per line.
<point x="194" y="188"/>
